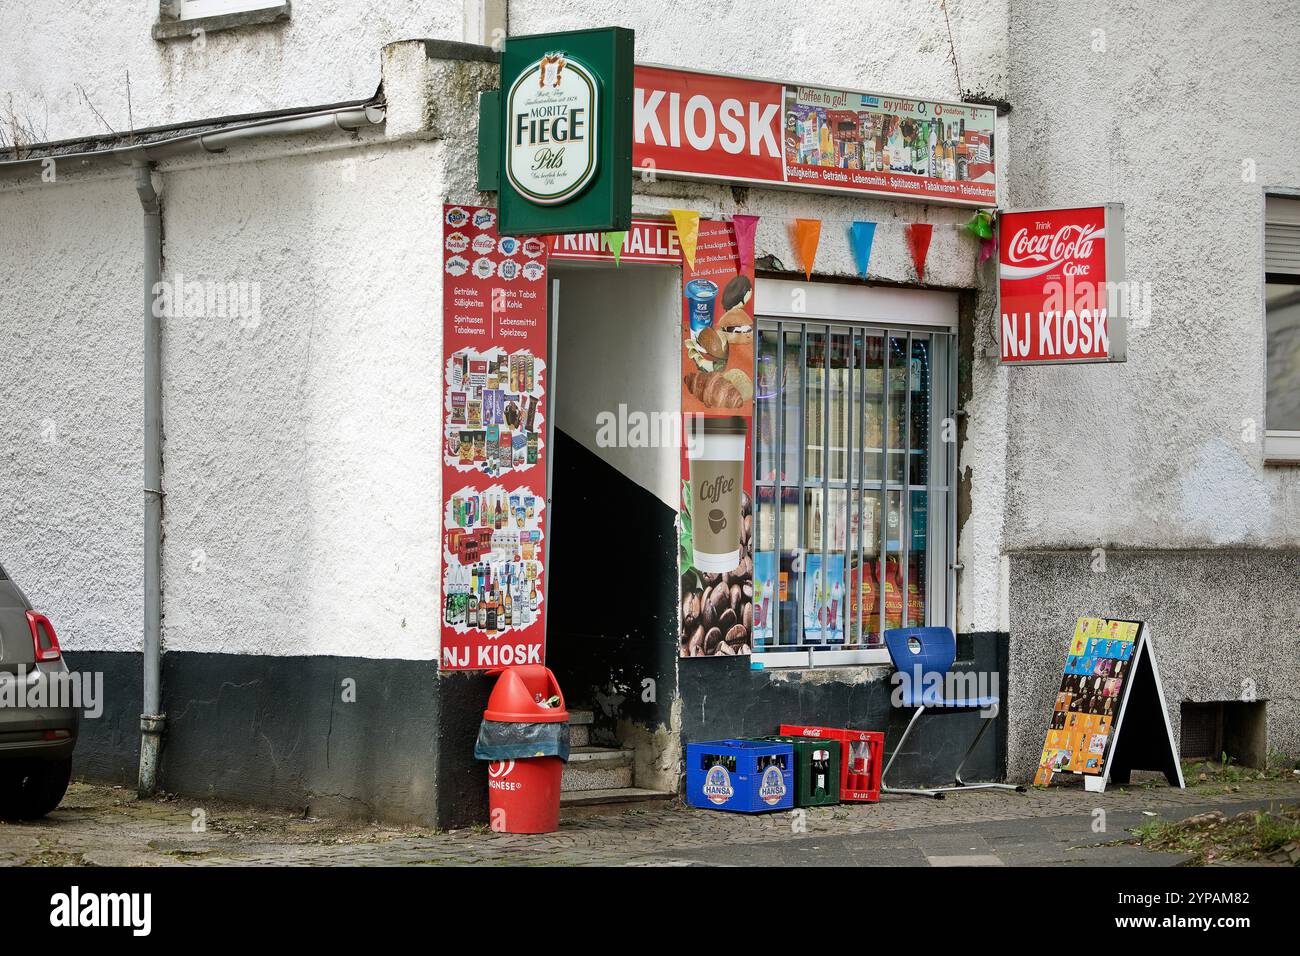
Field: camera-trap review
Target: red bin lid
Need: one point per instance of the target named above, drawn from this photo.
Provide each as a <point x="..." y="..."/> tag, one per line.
<point x="514" y="699"/>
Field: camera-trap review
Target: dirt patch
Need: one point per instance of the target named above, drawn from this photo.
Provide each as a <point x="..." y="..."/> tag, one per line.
<point x="1210" y="838"/>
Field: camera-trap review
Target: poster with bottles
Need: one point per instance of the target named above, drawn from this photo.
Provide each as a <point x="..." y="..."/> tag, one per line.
<point x="904" y="145"/>
<point x="823" y="599"/>
<point x="492" y="430"/>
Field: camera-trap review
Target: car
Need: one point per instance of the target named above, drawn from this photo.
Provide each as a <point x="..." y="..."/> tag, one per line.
<point x="38" y="724"/>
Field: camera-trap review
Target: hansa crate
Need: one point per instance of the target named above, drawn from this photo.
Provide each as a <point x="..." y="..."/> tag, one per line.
<point x="862" y="755"/>
<point x="744" y="776"/>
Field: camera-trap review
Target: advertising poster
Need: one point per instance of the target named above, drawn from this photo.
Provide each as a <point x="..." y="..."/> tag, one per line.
<point x="1079" y="738"/>
<point x="863" y="141"/>
<point x="1061" y="291"/>
<point x="716" y="515"/>
<point x="493" y="430"/>
<point x="716" y="127"/>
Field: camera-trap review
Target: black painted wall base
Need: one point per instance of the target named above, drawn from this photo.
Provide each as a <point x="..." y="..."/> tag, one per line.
<point x="278" y="731"/>
<point x="724" y="697"/>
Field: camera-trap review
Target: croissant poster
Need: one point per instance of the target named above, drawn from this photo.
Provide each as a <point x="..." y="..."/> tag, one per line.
<point x="716" y="512"/>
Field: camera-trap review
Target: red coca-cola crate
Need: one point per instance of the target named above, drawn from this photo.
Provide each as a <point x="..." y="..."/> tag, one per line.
<point x="862" y="759"/>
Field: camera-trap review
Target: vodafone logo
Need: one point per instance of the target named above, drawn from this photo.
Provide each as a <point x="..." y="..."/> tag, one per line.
<point x="1047" y="251"/>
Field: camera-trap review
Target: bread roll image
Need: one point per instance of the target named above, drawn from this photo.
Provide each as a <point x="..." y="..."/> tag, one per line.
<point x="713" y="389"/>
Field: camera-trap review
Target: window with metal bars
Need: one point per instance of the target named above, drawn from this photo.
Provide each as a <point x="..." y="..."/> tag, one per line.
<point x="855" y="461"/>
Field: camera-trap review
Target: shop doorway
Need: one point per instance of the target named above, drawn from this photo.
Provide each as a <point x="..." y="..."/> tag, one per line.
<point x="612" y="597"/>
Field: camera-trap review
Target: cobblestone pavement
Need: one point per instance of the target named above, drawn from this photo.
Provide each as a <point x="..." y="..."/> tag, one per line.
<point x="110" y="827"/>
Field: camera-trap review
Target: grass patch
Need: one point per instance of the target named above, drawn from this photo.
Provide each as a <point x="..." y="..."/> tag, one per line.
<point x="1215" y="837"/>
<point x="1227" y="770"/>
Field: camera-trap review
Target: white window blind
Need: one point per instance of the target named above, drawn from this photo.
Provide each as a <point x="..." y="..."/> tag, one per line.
<point x="1282" y="236"/>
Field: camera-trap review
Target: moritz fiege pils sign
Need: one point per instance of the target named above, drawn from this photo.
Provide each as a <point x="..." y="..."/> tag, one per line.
<point x="1062" y="297"/>
<point x="563" y="122"/>
<point x="554" y="124"/>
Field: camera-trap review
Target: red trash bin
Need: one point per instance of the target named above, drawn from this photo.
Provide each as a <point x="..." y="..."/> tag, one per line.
<point x="524" y="794"/>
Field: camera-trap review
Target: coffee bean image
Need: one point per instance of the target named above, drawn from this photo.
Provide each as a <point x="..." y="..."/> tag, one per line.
<point x="727" y="620"/>
<point x="712" y="640"/>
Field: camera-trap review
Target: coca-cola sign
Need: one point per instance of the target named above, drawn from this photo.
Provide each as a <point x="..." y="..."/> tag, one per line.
<point x="1061" y="295"/>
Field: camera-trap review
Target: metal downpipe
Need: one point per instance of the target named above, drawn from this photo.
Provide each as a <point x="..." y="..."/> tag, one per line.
<point x="151" y="716"/>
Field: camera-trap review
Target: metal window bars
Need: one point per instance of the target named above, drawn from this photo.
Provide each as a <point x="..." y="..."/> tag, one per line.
<point x="834" y="401"/>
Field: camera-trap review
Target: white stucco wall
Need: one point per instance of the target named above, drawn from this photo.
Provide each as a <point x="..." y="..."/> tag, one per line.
<point x="300" y="466"/>
<point x="327" y="52"/>
<point x="71" y="507"/>
<point x="1162" y="121"/>
<point x="301" y="463"/>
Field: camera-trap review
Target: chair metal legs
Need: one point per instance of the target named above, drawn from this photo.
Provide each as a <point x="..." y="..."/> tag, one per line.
<point x="958" y="784"/>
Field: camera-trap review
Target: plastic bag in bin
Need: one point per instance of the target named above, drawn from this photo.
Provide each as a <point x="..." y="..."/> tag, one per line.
<point x="498" y="740"/>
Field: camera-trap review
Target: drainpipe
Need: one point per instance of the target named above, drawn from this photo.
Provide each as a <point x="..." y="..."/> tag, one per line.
<point x="151" y="717"/>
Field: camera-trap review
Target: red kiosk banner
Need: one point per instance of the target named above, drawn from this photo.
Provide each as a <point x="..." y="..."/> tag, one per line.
<point x="493" y="429"/>
<point x="1061" y="291"/>
<point x="715" y="127"/>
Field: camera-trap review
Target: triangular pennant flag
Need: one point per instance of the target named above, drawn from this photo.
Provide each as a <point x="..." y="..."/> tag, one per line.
<point x="861" y="236"/>
<point x="745" y="226"/>
<point x="807" y="233"/>
<point x="688" y="232"/>
<point x="550" y="243"/>
<point x="981" y="225"/>
<point x="615" y="242"/>
<point x="918" y="243"/>
<point x="986" y="249"/>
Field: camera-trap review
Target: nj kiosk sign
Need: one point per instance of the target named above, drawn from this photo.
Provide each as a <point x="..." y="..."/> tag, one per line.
<point x="564" y="125"/>
<point x="1061" y="291"/>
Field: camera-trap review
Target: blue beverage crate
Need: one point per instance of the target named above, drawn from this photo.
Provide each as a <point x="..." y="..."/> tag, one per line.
<point x="711" y="784"/>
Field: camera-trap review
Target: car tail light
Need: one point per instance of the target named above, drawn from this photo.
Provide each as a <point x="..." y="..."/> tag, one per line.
<point x="44" y="639"/>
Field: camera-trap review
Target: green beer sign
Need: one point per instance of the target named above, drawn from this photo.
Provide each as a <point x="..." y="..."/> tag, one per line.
<point x="565" y="132"/>
<point x="554" y="125"/>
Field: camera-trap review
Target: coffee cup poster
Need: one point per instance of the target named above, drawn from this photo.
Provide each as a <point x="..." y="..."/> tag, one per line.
<point x="493" y="443"/>
<point x="716" y="513"/>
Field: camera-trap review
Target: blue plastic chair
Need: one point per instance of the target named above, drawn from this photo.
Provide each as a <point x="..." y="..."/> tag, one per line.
<point x="925" y="656"/>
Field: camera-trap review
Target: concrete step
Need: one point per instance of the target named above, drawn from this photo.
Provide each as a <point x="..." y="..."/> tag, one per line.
<point x="579" y="735"/>
<point x="618" y="798"/>
<point x="597" y="768"/>
<point x="580" y="728"/>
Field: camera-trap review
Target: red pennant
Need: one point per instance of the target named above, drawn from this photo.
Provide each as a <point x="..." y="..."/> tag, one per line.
<point x="745" y="227"/>
<point x="918" y="243"/>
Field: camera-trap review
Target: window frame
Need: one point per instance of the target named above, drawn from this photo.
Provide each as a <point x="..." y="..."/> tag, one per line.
<point x="1281" y="446"/>
<point x="840" y="308"/>
<point x="180" y="19"/>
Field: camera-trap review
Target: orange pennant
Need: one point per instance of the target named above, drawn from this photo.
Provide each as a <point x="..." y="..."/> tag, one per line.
<point x="807" y="233"/>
